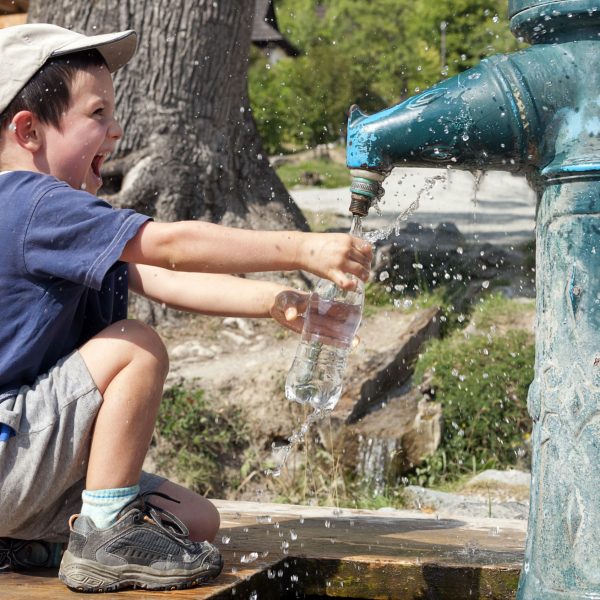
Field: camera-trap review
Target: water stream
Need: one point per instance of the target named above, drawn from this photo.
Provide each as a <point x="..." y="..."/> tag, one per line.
<point x="281" y="453"/>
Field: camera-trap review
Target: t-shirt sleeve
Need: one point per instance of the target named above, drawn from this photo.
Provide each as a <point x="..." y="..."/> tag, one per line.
<point x="76" y="236"/>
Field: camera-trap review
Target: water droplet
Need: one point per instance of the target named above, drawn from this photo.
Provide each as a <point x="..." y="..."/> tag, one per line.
<point x="249" y="558"/>
<point x="263" y="519"/>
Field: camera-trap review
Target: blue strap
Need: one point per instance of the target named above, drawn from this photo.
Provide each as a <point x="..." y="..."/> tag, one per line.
<point x="6" y="432"/>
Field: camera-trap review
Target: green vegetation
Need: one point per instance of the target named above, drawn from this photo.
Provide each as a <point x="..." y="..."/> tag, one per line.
<point x="373" y="56"/>
<point x="320" y="172"/>
<point x="201" y="442"/>
<point x="481" y="379"/>
<point x="481" y="382"/>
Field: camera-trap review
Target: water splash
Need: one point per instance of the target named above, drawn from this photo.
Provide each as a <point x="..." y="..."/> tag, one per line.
<point x="395" y="227"/>
<point x="294" y="440"/>
<point x="249" y="558"/>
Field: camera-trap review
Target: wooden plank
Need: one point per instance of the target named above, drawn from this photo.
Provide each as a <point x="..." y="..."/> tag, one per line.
<point x="276" y="550"/>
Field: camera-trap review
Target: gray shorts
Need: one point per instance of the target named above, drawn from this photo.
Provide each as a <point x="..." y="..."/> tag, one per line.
<point x="43" y="467"/>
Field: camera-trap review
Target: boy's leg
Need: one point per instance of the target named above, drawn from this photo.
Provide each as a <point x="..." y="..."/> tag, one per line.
<point x="199" y="514"/>
<point x="137" y="547"/>
<point x="129" y="364"/>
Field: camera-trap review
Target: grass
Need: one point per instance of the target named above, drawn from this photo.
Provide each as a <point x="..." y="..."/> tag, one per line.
<point x="481" y="382"/>
<point x="321" y="172"/>
<point x="325" y="221"/>
<point x="197" y="442"/>
<point x="496" y="310"/>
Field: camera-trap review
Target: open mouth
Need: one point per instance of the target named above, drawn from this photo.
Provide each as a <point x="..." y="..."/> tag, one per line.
<point x="97" y="163"/>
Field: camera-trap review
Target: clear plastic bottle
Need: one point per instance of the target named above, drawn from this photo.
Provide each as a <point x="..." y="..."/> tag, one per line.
<point x="330" y="325"/>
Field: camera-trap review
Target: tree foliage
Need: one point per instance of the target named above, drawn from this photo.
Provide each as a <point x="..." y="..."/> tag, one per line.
<point x="373" y="54"/>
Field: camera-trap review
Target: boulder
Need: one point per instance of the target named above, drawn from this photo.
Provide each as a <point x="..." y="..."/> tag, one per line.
<point x="383" y="365"/>
<point x="388" y="442"/>
<point x="458" y="505"/>
<point x="384" y="426"/>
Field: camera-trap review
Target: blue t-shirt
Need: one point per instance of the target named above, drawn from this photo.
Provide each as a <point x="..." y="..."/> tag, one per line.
<point x="60" y="276"/>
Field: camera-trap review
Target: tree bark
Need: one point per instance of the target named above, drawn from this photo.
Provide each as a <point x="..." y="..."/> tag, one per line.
<point x="191" y="149"/>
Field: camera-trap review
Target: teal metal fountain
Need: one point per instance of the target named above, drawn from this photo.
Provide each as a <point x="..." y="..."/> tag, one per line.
<point x="535" y="111"/>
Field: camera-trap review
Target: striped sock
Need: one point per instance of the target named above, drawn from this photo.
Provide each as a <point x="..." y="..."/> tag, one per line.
<point x="103" y="506"/>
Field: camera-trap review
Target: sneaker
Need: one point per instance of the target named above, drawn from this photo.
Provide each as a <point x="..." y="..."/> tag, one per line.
<point x="18" y="555"/>
<point x="147" y="548"/>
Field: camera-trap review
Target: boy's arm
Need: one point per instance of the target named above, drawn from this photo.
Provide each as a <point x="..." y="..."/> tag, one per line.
<point x="216" y="294"/>
<point x="197" y="246"/>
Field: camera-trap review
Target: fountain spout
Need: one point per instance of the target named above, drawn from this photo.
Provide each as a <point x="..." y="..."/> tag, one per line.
<point x="535" y="111"/>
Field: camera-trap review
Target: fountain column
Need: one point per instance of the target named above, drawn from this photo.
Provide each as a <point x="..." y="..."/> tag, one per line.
<point x="536" y="111"/>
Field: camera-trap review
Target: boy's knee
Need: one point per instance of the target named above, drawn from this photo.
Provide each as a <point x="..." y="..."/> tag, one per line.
<point x="121" y="345"/>
<point x="144" y="338"/>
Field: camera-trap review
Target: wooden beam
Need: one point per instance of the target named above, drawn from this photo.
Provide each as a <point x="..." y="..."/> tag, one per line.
<point x="272" y="551"/>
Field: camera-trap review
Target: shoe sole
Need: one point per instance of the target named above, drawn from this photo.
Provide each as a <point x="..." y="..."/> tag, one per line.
<point x="83" y="575"/>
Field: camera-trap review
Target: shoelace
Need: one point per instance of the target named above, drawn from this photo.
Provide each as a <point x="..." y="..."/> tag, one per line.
<point x="21" y="554"/>
<point x="162" y="518"/>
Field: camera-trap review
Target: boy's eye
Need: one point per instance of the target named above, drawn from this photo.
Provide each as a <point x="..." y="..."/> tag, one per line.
<point x="99" y="111"/>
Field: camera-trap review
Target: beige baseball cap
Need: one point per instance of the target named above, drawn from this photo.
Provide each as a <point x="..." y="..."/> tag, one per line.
<point x="25" y="48"/>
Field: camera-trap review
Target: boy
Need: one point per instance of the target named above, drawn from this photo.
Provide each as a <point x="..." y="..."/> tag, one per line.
<point x="79" y="384"/>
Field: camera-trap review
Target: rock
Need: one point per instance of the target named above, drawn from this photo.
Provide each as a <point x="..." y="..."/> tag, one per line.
<point x="384" y="427"/>
<point x="389" y="442"/>
<point x="457" y="505"/>
<point x="190" y="350"/>
<point x="511" y="478"/>
<point x="243" y="325"/>
<point x="373" y="373"/>
<point x="236" y="338"/>
<point x="418" y="253"/>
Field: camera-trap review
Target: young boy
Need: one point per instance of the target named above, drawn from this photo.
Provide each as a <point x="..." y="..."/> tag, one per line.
<point x="79" y="384"/>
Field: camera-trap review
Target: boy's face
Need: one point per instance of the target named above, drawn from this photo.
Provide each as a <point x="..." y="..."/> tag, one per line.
<point x="88" y="131"/>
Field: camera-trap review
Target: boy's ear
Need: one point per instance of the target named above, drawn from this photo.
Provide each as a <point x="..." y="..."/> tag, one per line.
<point x="26" y="129"/>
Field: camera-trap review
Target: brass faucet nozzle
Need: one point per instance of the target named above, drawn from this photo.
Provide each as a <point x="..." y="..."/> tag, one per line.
<point x="365" y="187"/>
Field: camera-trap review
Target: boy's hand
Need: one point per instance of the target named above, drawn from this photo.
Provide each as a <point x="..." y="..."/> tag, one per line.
<point x="288" y="309"/>
<point x="335" y="256"/>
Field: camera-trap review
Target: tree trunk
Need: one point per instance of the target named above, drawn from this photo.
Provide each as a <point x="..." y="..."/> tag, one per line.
<point x="191" y="149"/>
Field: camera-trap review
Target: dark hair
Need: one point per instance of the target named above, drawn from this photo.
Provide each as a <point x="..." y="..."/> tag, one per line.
<point x="48" y="93"/>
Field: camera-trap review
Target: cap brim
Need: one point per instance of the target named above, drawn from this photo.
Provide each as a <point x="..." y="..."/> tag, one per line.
<point x="116" y="48"/>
